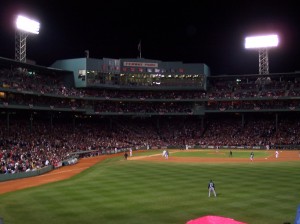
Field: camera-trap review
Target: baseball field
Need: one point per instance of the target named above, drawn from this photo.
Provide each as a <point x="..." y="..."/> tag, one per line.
<point x="148" y="189"/>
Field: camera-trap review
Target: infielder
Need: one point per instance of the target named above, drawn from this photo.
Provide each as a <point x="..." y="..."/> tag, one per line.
<point x="251" y="156"/>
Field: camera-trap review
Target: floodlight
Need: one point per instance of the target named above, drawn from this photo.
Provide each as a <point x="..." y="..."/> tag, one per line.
<point x="27" y="25"/>
<point x="24" y="27"/>
<point x="262" y="43"/>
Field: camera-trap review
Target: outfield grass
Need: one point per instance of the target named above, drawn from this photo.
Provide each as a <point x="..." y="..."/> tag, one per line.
<point x="116" y="191"/>
<point x="220" y="153"/>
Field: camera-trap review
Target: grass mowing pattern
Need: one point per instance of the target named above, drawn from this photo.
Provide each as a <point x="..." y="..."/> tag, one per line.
<point x="220" y="154"/>
<point x="134" y="192"/>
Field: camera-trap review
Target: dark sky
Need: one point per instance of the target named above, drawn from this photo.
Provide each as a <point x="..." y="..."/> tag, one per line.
<point x="210" y="32"/>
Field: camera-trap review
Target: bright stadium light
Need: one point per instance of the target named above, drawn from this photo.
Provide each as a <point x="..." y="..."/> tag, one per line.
<point x="262" y="43"/>
<point x="27" y="25"/>
<point x="24" y="27"/>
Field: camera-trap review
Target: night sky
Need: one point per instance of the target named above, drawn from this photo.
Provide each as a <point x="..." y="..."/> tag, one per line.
<point x="210" y="32"/>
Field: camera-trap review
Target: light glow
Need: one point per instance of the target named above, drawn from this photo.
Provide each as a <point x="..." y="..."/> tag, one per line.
<point x="27" y="25"/>
<point x="262" y="41"/>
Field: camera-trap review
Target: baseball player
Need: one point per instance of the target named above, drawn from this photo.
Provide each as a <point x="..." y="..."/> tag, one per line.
<point x="211" y="188"/>
<point x="167" y="154"/>
<point x="251" y="156"/>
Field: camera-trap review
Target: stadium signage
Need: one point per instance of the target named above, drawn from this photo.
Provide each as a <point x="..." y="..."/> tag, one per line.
<point x="140" y="64"/>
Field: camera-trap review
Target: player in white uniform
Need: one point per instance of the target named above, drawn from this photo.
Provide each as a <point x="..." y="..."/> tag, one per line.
<point x="251" y="156"/>
<point x="164" y="153"/>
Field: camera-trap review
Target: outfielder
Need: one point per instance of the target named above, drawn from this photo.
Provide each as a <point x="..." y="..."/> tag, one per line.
<point x="211" y="188"/>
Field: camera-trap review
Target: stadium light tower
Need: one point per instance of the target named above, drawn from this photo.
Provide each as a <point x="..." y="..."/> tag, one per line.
<point x="24" y="27"/>
<point x="262" y="43"/>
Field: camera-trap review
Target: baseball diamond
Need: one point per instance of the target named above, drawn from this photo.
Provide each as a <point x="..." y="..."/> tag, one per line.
<point x="184" y="157"/>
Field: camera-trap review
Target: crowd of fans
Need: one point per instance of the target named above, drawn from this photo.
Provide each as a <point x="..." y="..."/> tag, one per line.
<point x="24" y="147"/>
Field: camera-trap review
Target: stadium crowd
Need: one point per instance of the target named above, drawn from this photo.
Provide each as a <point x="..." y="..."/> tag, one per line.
<point x="24" y="148"/>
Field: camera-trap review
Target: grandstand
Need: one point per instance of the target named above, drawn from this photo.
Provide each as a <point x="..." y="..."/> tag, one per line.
<point x="83" y="107"/>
